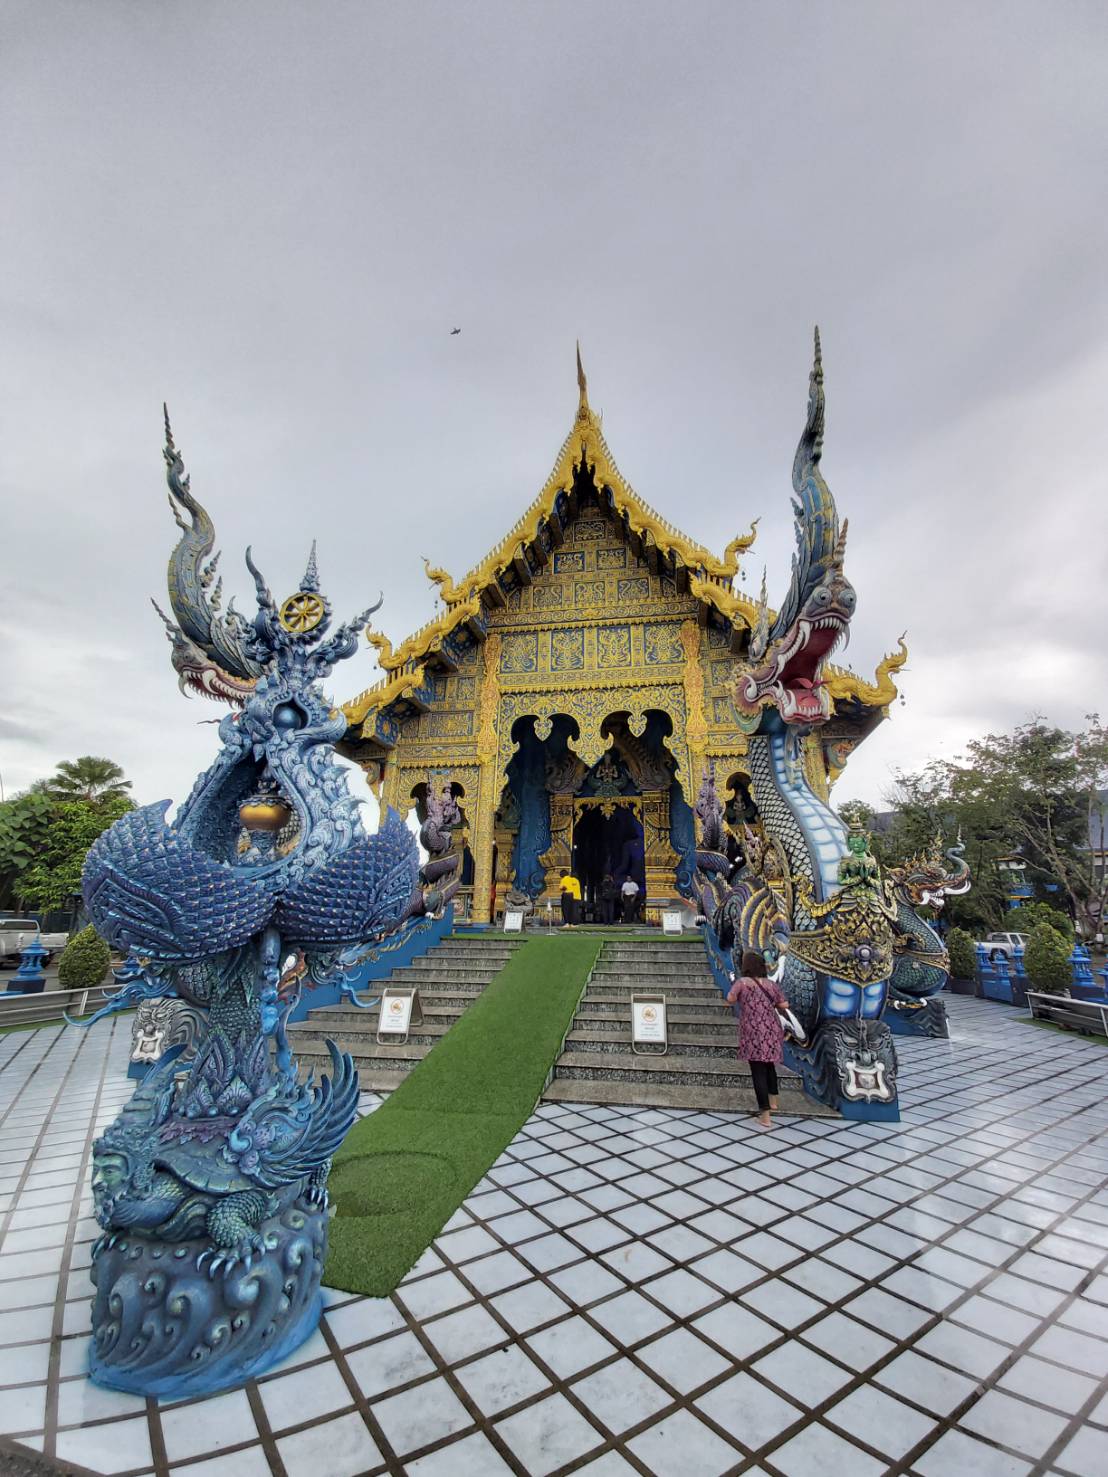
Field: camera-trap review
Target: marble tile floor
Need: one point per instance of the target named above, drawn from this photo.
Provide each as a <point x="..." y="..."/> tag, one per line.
<point x="641" y="1291"/>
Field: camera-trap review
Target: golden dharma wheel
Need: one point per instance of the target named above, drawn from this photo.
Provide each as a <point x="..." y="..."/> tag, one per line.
<point x="302" y="612"/>
<point x="264" y="815"/>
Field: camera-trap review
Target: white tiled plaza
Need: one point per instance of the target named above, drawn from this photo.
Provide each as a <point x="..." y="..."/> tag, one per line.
<point x="641" y="1291"/>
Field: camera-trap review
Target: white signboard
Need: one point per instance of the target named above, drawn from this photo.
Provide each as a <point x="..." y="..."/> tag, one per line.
<point x="648" y="1023"/>
<point x="671" y="920"/>
<point x="513" y="920"/>
<point x="398" y="1008"/>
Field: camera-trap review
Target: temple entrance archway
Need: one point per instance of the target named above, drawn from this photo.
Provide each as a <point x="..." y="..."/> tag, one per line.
<point x="607" y="839"/>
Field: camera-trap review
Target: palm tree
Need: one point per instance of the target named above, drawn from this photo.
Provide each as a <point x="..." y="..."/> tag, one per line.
<point x="89" y="779"/>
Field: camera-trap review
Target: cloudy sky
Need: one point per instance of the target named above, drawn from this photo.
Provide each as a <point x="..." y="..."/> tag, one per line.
<point x="272" y="215"/>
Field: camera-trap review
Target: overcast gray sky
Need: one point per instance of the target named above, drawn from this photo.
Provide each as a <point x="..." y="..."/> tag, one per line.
<point x="272" y="215"/>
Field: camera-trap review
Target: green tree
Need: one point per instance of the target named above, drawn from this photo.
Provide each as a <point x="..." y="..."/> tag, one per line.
<point x="88" y="778"/>
<point x="84" y="961"/>
<point x="858" y="813"/>
<point x="1048" y="789"/>
<point x="1047" y="961"/>
<point x="1029" y="916"/>
<point x="963" y="957"/>
<point x="24" y="823"/>
<point x="55" y="874"/>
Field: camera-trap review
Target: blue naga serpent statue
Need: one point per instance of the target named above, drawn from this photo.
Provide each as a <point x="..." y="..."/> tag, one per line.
<point x="857" y="943"/>
<point x="210" y="1186"/>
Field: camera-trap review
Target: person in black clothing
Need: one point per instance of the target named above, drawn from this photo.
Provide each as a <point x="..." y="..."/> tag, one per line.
<point x="609" y="892"/>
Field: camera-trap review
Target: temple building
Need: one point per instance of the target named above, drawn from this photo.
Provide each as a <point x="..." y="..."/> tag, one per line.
<point x="575" y="688"/>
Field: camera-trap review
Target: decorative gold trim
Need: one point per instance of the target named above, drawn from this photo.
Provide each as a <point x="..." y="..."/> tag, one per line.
<point x="606" y="804"/>
<point x="843" y="684"/>
<point x="462" y="598"/>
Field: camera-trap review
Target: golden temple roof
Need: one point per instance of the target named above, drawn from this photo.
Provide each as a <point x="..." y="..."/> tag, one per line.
<point x="708" y="577"/>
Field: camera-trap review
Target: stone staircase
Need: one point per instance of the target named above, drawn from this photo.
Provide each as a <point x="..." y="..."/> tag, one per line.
<point x="700" y="1070"/>
<point x="449" y="978"/>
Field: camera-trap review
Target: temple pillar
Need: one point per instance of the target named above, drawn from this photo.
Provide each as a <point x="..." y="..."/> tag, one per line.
<point x="490" y="782"/>
<point x="696" y="723"/>
<point x="503" y="844"/>
<point x="660" y="859"/>
<point x="558" y="856"/>
<point x="481" y="844"/>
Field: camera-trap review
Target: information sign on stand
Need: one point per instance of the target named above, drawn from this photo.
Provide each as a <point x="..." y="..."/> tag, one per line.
<point x="400" y="1011"/>
<point x="513" y="920"/>
<point x="672" y="919"/>
<point x="648" y="1025"/>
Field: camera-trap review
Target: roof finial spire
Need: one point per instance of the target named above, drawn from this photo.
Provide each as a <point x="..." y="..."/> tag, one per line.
<point x="582" y="386"/>
<point x="311" y="574"/>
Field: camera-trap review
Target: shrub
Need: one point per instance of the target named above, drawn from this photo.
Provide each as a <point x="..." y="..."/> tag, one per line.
<point x="963" y="957"/>
<point x="84" y="961"/>
<point x="1047" y="961"/>
<point x="1029" y="916"/>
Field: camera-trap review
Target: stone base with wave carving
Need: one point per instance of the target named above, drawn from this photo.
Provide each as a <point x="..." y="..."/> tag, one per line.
<point x="162" y="1328"/>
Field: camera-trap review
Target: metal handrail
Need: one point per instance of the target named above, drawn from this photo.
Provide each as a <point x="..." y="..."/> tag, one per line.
<point x="47" y="1006"/>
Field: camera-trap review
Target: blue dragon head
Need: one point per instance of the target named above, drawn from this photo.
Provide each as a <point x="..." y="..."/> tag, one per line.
<point x="784" y="668"/>
<point x="269" y="835"/>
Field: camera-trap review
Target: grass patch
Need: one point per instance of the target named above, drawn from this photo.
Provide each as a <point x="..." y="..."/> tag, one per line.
<point x="404" y="1170"/>
<point x="1030" y="1020"/>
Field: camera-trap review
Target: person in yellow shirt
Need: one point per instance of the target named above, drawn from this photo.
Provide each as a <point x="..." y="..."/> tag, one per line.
<point x="571" y="898"/>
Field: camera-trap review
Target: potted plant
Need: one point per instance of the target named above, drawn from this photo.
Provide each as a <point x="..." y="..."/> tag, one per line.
<point x="84" y="961"/>
<point x="963" y="962"/>
<point x="1047" y="961"/>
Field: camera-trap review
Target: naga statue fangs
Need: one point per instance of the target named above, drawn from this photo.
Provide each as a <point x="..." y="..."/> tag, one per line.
<point x="211" y="1184"/>
<point x="857" y="950"/>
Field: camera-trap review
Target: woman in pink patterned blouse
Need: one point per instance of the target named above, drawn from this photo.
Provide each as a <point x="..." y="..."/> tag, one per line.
<point x="761" y="1034"/>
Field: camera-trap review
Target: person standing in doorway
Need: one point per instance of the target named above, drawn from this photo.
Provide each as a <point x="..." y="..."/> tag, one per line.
<point x="630" y="894"/>
<point x="609" y="892"/>
<point x="571" y="898"/>
<point x="761" y="1033"/>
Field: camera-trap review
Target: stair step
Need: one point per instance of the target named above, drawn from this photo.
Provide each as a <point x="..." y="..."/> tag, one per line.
<point x="365" y="1033"/>
<point x="732" y="1099"/>
<point x="391" y="1057"/>
<point x="446" y="973"/>
<point x="673" y="951"/>
<point x="577" y="1063"/>
<point x="341" y="1018"/>
<point x="705" y="1025"/>
<point x="681" y="1044"/>
<point x="614" y="1005"/>
<point x="702" y="994"/>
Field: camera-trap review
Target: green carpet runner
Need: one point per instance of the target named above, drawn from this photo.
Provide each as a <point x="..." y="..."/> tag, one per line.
<point x="405" y="1170"/>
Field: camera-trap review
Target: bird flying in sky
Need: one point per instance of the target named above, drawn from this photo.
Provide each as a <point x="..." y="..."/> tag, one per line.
<point x="453" y="331"/>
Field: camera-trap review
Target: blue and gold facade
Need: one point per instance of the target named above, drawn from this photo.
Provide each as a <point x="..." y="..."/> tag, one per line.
<point x="588" y="661"/>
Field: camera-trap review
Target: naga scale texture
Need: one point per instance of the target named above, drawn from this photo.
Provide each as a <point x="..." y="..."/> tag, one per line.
<point x="210" y="1186"/>
<point x="857" y="948"/>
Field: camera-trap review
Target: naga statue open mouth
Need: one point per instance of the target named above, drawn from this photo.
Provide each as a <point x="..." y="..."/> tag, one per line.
<point x="790" y="677"/>
<point x="784" y="666"/>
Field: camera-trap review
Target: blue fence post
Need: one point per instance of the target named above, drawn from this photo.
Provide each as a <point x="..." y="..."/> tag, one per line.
<point x="1084" y="986"/>
<point x="1018" y="976"/>
<point x="984" y="971"/>
<point x="29" y="978"/>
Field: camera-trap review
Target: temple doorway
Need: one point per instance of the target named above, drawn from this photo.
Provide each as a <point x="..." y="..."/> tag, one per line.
<point x="607" y="838"/>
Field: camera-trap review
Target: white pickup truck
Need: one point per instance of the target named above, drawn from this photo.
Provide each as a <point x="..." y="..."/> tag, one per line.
<point x="1004" y="945"/>
<point x="17" y="933"/>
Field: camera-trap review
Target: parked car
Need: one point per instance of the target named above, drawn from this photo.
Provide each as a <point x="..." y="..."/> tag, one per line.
<point x="1004" y="945"/>
<point x="17" y="933"/>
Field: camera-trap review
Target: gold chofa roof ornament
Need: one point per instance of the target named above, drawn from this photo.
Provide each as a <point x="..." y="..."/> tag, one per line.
<point x="708" y="577"/>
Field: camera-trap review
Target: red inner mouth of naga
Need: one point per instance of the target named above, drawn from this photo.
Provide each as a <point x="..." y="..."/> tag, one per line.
<point x="801" y="696"/>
